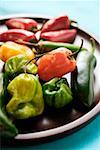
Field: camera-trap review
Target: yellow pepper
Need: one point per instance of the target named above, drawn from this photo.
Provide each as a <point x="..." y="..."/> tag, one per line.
<point x="10" y="49"/>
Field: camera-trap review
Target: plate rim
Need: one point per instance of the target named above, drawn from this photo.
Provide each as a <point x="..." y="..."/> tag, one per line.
<point x="67" y="127"/>
<point x="61" y="129"/>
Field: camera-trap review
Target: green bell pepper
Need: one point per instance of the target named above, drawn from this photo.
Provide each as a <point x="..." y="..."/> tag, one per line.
<point x="57" y="92"/>
<point x="15" y="65"/>
<point x="7" y="128"/>
<point x="27" y="97"/>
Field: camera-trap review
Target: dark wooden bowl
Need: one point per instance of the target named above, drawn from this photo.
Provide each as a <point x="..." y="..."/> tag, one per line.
<point x="53" y="124"/>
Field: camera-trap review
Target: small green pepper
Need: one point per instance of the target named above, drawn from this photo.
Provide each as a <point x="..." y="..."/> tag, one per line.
<point x="15" y="65"/>
<point x="45" y="46"/>
<point x="82" y="79"/>
<point x="7" y="128"/>
<point x="57" y="92"/>
<point x="27" y="97"/>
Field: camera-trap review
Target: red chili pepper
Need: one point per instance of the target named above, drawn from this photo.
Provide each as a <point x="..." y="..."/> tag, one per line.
<point x="60" y="36"/>
<point x="22" y="23"/>
<point x="17" y="34"/>
<point x="59" y="23"/>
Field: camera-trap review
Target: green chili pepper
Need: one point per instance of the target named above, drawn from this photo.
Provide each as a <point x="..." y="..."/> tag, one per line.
<point x="57" y="92"/>
<point x="7" y="128"/>
<point x="15" y="65"/>
<point x="45" y="46"/>
<point x="27" y="97"/>
<point x="83" y="78"/>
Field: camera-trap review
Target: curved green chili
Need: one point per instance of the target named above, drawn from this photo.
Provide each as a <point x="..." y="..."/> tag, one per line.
<point x="82" y="79"/>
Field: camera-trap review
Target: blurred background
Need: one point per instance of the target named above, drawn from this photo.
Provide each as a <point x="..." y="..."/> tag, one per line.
<point x="87" y="13"/>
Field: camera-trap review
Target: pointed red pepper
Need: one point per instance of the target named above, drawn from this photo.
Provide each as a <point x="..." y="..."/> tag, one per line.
<point x="59" y="23"/>
<point x="17" y="34"/>
<point x="22" y="23"/>
<point x="60" y="36"/>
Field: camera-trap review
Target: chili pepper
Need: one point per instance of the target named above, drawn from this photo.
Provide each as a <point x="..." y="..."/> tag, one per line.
<point x="10" y="49"/>
<point x="57" y="92"/>
<point x="46" y="46"/>
<point x="22" y="23"/>
<point x="59" y="36"/>
<point x="7" y="128"/>
<point x="27" y="97"/>
<point x="15" y="65"/>
<point x="82" y="79"/>
<point x="55" y="64"/>
<point x="58" y="23"/>
<point x="16" y="34"/>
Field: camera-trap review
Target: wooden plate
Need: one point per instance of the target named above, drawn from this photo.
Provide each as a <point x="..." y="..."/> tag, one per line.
<point x="52" y="123"/>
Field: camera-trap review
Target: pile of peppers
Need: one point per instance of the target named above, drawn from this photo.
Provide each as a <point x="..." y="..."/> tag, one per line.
<point x="32" y="70"/>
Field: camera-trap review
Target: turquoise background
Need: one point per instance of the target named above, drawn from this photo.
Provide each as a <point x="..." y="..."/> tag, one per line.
<point x="87" y="13"/>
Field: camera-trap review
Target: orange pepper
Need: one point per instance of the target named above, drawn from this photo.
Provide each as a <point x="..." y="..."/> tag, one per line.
<point x="10" y="49"/>
<point x="55" y="64"/>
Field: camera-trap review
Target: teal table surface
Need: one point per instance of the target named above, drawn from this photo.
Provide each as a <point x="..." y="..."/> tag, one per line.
<point x="87" y="13"/>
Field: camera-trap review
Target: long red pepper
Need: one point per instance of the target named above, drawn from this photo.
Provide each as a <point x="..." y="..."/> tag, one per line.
<point x="17" y="34"/>
<point x="60" y="36"/>
<point x="22" y="23"/>
<point x="58" y="23"/>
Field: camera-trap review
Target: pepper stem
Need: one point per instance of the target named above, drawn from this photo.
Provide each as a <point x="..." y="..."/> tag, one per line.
<point x="74" y="23"/>
<point x="26" y="43"/>
<point x="35" y="58"/>
<point x="75" y="53"/>
<point x="92" y="45"/>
